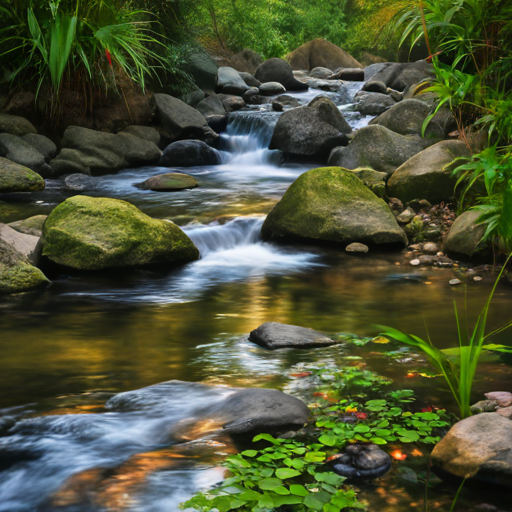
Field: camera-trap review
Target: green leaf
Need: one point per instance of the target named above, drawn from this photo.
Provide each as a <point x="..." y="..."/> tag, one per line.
<point x="266" y="437"/>
<point x="378" y="440"/>
<point x="298" y="490"/>
<point x="236" y="503"/>
<point x="269" y="484"/>
<point x="315" y="456"/>
<point x="266" y="502"/>
<point x="328" y="440"/>
<point x="249" y="495"/>
<point x="284" y="473"/>
<point x="250" y="453"/>
<point x="311" y="502"/>
<point x="287" y="500"/>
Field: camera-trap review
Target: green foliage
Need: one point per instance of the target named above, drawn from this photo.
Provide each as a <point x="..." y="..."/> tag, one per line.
<point x="459" y="373"/>
<point x="288" y="472"/>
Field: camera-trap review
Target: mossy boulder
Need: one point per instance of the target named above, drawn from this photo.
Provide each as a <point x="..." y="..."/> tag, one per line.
<point x="374" y="180"/>
<point x="16" y="273"/>
<point x="428" y="175"/>
<point x="31" y="226"/>
<point x="331" y="204"/>
<point x="17" y="178"/>
<point x="89" y="233"/>
<point x="465" y="234"/>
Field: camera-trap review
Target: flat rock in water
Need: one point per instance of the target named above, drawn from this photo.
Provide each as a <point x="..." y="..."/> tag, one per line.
<point x="273" y="335"/>
<point x="170" y="181"/>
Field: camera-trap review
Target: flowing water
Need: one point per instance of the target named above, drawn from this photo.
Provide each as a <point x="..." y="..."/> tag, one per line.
<point x="65" y="351"/>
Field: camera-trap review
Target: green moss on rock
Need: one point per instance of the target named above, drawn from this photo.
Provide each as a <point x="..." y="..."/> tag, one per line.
<point x="21" y="277"/>
<point x="31" y="226"/>
<point x="332" y="204"/>
<point x="17" y="178"/>
<point x="89" y="233"/>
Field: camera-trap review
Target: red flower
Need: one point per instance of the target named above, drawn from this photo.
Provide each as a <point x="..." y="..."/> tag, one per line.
<point x="427" y="409"/>
<point x="361" y="415"/>
<point x="109" y="57"/>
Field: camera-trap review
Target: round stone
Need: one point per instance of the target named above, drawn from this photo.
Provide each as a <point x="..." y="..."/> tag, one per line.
<point x="357" y="248"/>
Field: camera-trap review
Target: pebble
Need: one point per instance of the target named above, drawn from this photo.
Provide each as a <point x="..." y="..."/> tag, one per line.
<point x="415" y="262"/>
<point x="455" y="282"/>
<point x="357" y="248"/>
<point x="426" y="259"/>
<point x="430" y="248"/>
<point x="477" y="278"/>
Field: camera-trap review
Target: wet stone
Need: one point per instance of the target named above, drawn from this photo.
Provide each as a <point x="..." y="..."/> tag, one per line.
<point x="455" y="282"/>
<point x="357" y="248"/>
<point x="362" y="462"/>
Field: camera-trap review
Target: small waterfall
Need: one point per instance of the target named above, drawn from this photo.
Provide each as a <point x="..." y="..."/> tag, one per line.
<point x="248" y="137"/>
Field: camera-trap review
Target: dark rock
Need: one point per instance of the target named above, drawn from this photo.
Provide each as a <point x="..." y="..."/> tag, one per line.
<point x="273" y="335"/>
<point x="379" y="148"/>
<point x="15" y="125"/>
<point x="203" y="69"/>
<point x="42" y="144"/>
<point x="372" y="103"/>
<point x="312" y="130"/>
<point x="170" y="181"/>
<point x="362" y="462"/>
<point x="192" y="98"/>
<point x="426" y="176"/>
<point x="79" y="182"/>
<point x="465" y="234"/>
<point x="143" y="132"/>
<point x="271" y="88"/>
<point x="189" y="153"/>
<point x="320" y="53"/>
<point x="230" y="82"/>
<point x="284" y="101"/>
<point x="371" y="70"/>
<point x="212" y="105"/>
<point x="278" y="70"/>
<point x="17" y="178"/>
<point x="232" y="103"/>
<point x="320" y="72"/>
<point x="349" y="74"/>
<point x="246" y="61"/>
<point x="400" y="76"/>
<point x="249" y="79"/>
<point x="375" y="86"/>
<point x="14" y="148"/>
<point x="477" y="448"/>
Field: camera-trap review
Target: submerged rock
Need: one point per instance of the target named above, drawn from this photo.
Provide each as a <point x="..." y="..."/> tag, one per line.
<point x="331" y="204"/>
<point x="170" y="181"/>
<point x="17" y="178"/>
<point x="477" y="448"/>
<point x="89" y="233"/>
<point x="379" y="148"/>
<point x="79" y="182"/>
<point x="313" y="130"/>
<point x="361" y="462"/>
<point x="273" y="335"/>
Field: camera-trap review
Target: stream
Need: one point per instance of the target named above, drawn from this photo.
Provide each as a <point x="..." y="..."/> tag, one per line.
<point x="65" y="351"/>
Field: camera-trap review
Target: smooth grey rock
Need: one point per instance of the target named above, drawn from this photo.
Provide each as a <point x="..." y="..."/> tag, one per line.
<point x="320" y="72"/>
<point x="189" y="153"/>
<point x="357" y="248"/>
<point x="278" y="70"/>
<point x="313" y="130"/>
<point x="273" y="335"/>
<point x="373" y="103"/>
<point x="231" y="102"/>
<point x="14" y="148"/>
<point x="249" y="79"/>
<point x="465" y="234"/>
<point x="15" y="125"/>
<point x="379" y="148"/>
<point x="375" y="86"/>
<point x="229" y="81"/>
<point x="211" y="106"/>
<point x="43" y="144"/>
<point x="203" y="69"/>
<point x="143" y="132"/>
<point x="79" y="182"/>
<point x="400" y="76"/>
<point x="348" y="74"/>
<point x="271" y="89"/>
<point x="371" y="70"/>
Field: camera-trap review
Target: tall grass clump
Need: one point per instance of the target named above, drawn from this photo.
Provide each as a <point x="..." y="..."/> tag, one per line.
<point x="459" y="373"/>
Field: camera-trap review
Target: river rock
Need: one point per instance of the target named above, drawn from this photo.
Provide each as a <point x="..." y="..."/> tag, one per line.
<point x="234" y="411"/>
<point x="321" y="53"/>
<point x="231" y="102"/>
<point x="43" y="144"/>
<point x="147" y="133"/>
<point x="361" y="462"/>
<point x="15" y="125"/>
<point x="273" y="335"/>
<point x="372" y="103"/>
<point x="357" y="248"/>
<point x="400" y="76"/>
<point x="170" y="181"/>
<point x="465" y="234"/>
<point x="85" y="151"/>
<point x="79" y="182"/>
<point x="230" y="82"/>
<point x="271" y="89"/>
<point x="278" y="70"/>
<point x="375" y="86"/>
<point x="17" y="150"/>
<point x="211" y="106"/>
<point x="406" y="117"/>
<point x="479" y="448"/>
<point x="203" y="69"/>
<point x="313" y="130"/>
<point x="379" y="148"/>
<point x="16" y="273"/>
<point x="331" y="204"/>
<point x="192" y="98"/>
<point x="88" y="233"/>
<point x="246" y="60"/>
<point x="374" y="180"/>
<point x="31" y="226"/>
<point x="348" y="74"/>
<point x="27" y="245"/>
<point x="189" y="153"/>
<point x="249" y="79"/>
<point x="502" y="398"/>
<point x="181" y="121"/>
<point x="17" y="178"/>
<point x="285" y="101"/>
<point x="371" y="70"/>
<point x="426" y="176"/>
<point x="320" y="72"/>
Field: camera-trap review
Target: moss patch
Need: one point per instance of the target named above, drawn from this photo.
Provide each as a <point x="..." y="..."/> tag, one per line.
<point x="89" y="233"/>
<point x="21" y="277"/>
<point x="16" y="178"/>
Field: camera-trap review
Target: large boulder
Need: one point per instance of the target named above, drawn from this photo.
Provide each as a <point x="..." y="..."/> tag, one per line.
<point x="181" y="121"/>
<point x="400" y="76"/>
<point x="85" y="151"/>
<point x="16" y="273"/>
<point x="170" y="181"/>
<point x="465" y="234"/>
<point x="27" y="245"/>
<point x="274" y="335"/>
<point x="407" y="118"/>
<point x="89" y="233"/>
<point x="43" y="144"/>
<point x="17" y="178"/>
<point x="31" y="226"/>
<point x="372" y="103"/>
<point x="147" y="133"/>
<point x="249" y="79"/>
<point x="15" y="125"/>
<point x="278" y="70"/>
<point x="477" y="448"/>
<point x="246" y="60"/>
<point x="331" y="204"/>
<point x="427" y="175"/>
<point x="271" y="89"/>
<point x="230" y="82"/>
<point x="321" y="53"/>
<point x="189" y="153"/>
<point x="211" y="106"/>
<point x="16" y="149"/>
<point x="235" y="411"/>
<point x="203" y="70"/>
<point x="313" y="130"/>
<point x="378" y="148"/>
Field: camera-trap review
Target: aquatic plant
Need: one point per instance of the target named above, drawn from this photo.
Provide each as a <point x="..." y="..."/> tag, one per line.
<point x="459" y="371"/>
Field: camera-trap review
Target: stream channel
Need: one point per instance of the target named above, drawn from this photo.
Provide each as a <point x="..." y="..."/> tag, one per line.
<point x="66" y="350"/>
